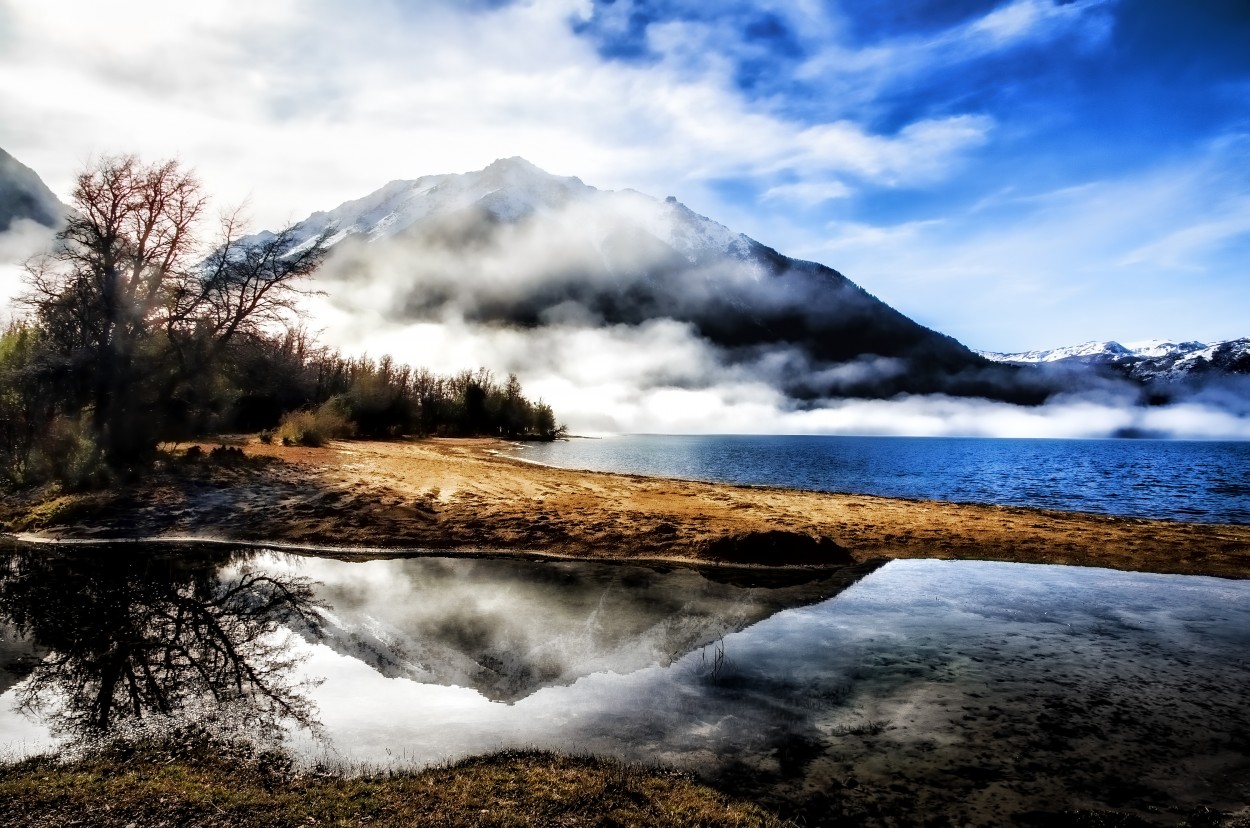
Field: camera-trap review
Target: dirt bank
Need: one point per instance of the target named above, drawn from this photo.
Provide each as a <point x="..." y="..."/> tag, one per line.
<point x="464" y="495"/>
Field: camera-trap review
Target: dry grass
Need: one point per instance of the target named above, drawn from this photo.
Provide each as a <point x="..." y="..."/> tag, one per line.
<point x="460" y="495"/>
<point x="506" y="789"/>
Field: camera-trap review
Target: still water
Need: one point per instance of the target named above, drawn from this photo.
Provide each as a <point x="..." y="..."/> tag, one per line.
<point x="967" y="689"/>
<point x="1173" y="479"/>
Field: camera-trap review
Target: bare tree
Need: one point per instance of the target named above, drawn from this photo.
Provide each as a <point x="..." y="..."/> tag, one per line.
<point x="135" y="308"/>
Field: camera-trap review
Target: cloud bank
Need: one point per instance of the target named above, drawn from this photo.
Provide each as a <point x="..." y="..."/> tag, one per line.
<point x="380" y="91"/>
<point x="24" y="238"/>
<point x="661" y="378"/>
<point x="623" y="332"/>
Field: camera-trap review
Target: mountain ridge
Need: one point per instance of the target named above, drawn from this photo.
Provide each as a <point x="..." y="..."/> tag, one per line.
<point x="1146" y="361"/>
<point x="23" y="195"/>
<point x="513" y="245"/>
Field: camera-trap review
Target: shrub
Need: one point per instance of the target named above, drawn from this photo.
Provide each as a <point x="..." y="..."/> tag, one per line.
<point x="69" y="453"/>
<point x="334" y="418"/>
<point x="309" y="428"/>
<point x="299" y="428"/>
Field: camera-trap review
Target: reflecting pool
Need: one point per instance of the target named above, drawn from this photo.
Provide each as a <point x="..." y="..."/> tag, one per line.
<point x="970" y="690"/>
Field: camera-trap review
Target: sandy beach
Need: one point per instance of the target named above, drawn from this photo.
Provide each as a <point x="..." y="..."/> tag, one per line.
<point x="469" y="495"/>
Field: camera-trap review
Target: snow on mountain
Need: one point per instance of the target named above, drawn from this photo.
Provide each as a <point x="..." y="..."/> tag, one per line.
<point x="508" y="188"/>
<point x="1085" y="352"/>
<point x="1146" y="360"/>
<point x="1091" y="352"/>
<point x="512" y="246"/>
<point x="1232" y="357"/>
<point x="511" y="189"/>
<point x="1160" y="348"/>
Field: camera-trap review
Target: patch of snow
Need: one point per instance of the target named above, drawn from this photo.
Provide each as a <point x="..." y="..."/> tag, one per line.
<point x="1156" y="348"/>
<point x="513" y="188"/>
<point x="1084" y="352"/>
<point x="1145" y="359"/>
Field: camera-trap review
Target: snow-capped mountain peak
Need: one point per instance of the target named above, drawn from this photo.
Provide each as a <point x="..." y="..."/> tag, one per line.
<point x="508" y="191"/>
<point x="1109" y="351"/>
<point x="1145" y="360"/>
<point x="512" y="245"/>
<point x="1155" y="348"/>
<point x="1084" y="352"/>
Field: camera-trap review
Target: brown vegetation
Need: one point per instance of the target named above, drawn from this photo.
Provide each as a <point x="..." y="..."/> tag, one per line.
<point x="507" y="789"/>
<point x="469" y="495"/>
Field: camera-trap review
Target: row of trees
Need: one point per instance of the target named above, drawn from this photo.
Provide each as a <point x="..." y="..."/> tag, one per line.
<point x="139" y="333"/>
<point x="378" y="398"/>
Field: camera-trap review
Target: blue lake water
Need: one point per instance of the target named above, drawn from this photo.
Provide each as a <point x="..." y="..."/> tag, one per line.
<point x="1180" y="480"/>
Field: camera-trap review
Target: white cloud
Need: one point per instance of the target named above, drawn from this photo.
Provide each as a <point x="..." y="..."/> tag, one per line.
<point x="23" y="239"/>
<point x="1018" y="21"/>
<point x="808" y="193"/>
<point x="852" y="235"/>
<point x="1184" y="249"/>
<point x="301" y="106"/>
<point x="1107" y="259"/>
<point x="660" y="378"/>
<point x="859" y="74"/>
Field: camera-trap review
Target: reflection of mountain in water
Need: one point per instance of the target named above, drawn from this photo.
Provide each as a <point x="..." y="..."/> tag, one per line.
<point x="508" y="628"/>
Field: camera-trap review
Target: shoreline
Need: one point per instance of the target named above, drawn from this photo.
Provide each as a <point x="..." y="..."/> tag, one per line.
<point x="473" y="497"/>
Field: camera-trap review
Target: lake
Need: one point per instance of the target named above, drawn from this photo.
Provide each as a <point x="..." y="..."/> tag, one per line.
<point x="966" y="690"/>
<point x="1171" y="479"/>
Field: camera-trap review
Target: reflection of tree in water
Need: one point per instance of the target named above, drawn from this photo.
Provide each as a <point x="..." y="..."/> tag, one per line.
<point x="138" y="632"/>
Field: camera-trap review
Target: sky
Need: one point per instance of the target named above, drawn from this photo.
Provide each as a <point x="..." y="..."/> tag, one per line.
<point x="1019" y="174"/>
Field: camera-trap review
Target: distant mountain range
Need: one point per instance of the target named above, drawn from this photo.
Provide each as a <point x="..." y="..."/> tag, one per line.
<point x="1150" y="361"/>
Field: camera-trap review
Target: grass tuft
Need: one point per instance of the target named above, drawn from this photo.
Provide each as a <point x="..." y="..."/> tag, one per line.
<point x="512" y="789"/>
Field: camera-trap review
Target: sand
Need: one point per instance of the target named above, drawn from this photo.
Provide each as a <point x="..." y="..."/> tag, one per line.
<point x="468" y="495"/>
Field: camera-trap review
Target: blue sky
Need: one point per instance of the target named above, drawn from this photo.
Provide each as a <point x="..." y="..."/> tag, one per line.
<point x="1019" y="174"/>
<point x="1104" y="195"/>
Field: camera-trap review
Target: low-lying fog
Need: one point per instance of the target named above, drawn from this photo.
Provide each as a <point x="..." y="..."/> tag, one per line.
<point x="596" y="318"/>
<point x="613" y="336"/>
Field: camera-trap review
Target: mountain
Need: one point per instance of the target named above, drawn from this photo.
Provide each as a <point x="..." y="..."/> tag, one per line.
<point x="1150" y="361"/>
<point x="508" y="630"/>
<point x="1098" y="353"/>
<point x="514" y="246"/>
<point x="23" y="195"/>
